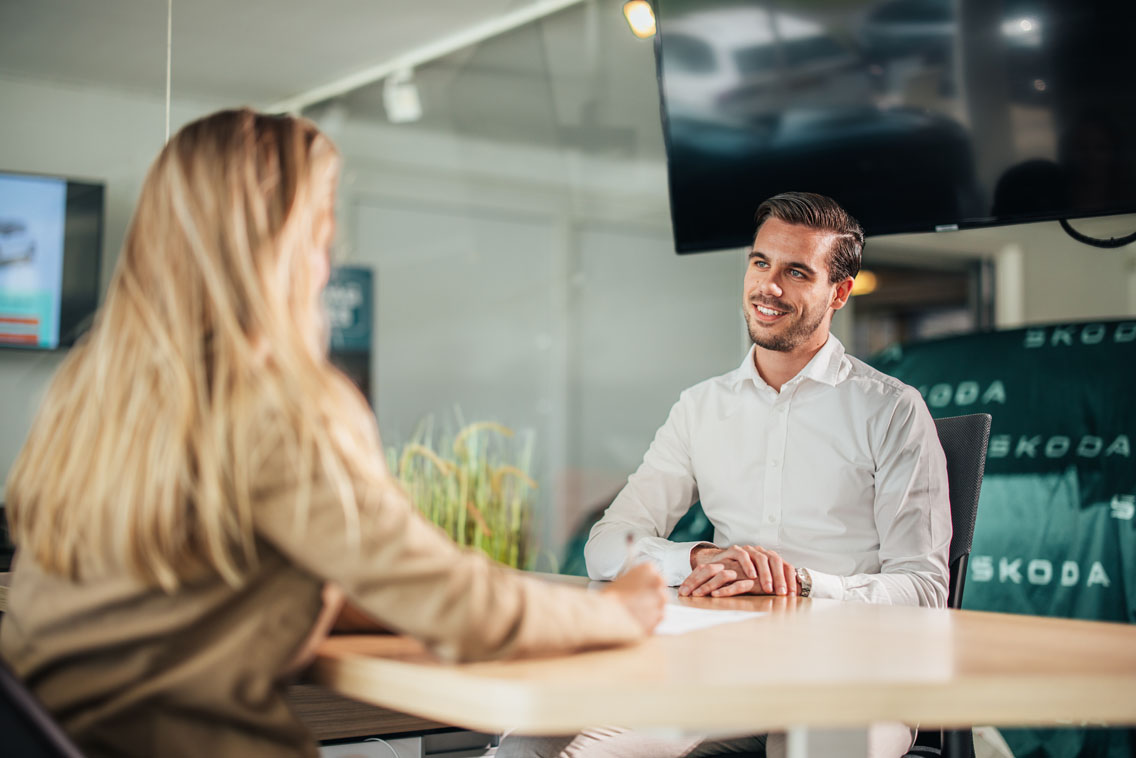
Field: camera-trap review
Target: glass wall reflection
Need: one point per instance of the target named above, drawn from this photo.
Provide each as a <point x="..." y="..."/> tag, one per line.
<point x="524" y="273"/>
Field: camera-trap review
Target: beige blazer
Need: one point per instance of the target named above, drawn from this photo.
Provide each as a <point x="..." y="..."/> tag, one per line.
<point x="131" y="671"/>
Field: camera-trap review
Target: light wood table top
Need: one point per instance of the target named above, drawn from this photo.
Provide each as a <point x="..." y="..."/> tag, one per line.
<point x="808" y="663"/>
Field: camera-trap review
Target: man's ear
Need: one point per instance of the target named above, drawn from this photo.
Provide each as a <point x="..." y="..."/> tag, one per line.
<point x="840" y="293"/>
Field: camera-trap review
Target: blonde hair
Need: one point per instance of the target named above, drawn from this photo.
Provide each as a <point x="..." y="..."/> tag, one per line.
<point x="208" y="350"/>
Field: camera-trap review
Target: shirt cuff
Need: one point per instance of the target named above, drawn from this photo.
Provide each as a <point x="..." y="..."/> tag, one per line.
<point x="827" y="586"/>
<point x="676" y="562"/>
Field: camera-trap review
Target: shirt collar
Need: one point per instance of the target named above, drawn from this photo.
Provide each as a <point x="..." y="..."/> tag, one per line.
<point x="829" y="366"/>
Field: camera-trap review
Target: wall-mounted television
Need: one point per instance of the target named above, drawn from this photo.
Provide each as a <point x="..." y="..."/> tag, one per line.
<point x="917" y="115"/>
<point x="51" y="232"/>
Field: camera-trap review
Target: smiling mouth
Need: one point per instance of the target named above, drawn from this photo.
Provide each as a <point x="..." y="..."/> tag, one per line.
<point x="766" y="313"/>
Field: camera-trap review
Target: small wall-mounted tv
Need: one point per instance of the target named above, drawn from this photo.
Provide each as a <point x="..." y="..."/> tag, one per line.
<point x="51" y="232"/>
<point x="916" y="115"/>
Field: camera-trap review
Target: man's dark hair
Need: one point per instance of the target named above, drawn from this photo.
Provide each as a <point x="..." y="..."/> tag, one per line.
<point x="824" y="215"/>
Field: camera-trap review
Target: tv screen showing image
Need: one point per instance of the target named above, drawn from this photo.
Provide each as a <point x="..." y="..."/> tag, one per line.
<point x="50" y="246"/>
<point x="916" y="115"/>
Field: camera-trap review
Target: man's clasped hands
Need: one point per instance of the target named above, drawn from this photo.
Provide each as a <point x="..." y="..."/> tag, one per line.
<point x="738" y="570"/>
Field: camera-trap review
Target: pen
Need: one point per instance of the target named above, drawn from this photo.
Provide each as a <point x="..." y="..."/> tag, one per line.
<point x="629" y="555"/>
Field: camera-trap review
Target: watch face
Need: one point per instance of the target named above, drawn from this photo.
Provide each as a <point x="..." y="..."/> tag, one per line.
<point x="805" y="581"/>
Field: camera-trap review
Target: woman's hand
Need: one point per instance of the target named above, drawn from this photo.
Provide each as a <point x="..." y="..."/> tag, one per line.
<point x="643" y="593"/>
<point x="333" y="600"/>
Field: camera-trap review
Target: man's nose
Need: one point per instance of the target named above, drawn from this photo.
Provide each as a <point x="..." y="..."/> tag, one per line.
<point x="771" y="286"/>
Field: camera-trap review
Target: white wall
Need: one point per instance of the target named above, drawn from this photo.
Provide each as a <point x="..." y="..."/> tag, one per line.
<point x="1042" y="275"/>
<point x="86" y="133"/>
<point x="537" y="288"/>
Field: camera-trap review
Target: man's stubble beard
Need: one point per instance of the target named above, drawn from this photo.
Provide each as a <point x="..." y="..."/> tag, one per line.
<point x="789" y="339"/>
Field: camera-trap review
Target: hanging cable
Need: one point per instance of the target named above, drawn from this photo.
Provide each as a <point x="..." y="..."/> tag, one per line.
<point x="169" y="59"/>
<point x="1110" y="243"/>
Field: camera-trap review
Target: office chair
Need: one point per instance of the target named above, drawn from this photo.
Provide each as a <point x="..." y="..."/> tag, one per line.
<point x="26" y="728"/>
<point x="964" y="440"/>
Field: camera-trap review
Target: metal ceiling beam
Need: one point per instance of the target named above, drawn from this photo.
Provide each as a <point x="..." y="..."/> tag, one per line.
<point x="424" y="54"/>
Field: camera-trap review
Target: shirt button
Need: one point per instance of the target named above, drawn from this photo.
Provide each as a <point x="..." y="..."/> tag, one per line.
<point x="771" y="519"/>
<point x="774" y="463"/>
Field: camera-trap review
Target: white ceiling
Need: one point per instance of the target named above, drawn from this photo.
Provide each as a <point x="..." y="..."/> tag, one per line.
<point x="243" y="51"/>
<point x="576" y="78"/>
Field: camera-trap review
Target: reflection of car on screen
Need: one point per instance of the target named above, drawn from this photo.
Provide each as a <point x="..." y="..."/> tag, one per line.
<point x="923" y="28"/>
<point x="928" y="31"/>
<point x="16" y="245"/>
<point x="741" y="62"/>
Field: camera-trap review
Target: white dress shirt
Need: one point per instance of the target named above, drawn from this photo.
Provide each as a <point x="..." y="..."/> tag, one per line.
<point x="841" y="473"/>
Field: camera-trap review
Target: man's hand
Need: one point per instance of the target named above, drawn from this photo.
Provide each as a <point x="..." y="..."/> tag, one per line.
<point x="738" y="570"/>
<point x="715" y="567"/>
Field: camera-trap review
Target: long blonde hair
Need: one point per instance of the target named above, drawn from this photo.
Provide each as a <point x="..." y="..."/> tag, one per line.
<point x="208" y="350"/>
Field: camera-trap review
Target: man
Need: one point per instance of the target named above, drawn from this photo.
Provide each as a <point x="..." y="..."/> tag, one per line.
<point x="822" y="476"/>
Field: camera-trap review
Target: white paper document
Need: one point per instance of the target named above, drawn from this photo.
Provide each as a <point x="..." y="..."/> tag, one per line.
<point x="680" y="619"/>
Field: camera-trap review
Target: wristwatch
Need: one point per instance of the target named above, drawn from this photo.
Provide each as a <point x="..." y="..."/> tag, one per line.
<point x="804" y="582"/>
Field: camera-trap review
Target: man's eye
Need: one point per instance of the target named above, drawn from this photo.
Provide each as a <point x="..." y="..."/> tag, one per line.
<point x="796" y="274"/>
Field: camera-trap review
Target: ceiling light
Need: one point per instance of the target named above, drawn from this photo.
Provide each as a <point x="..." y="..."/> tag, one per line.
<point x="400" y="97"/>
<point x="640" y="17"/>
<point x="865" y="283"/>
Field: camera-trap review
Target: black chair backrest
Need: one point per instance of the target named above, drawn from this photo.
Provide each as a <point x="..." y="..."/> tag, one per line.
<point x="7" y="549"/>
<point x="964" y="440"/>
<point x="26" y="728"/>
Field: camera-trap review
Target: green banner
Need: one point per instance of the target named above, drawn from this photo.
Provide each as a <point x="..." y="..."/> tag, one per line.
<point x="1055" y="533"/>
<point x="349" y="301"/>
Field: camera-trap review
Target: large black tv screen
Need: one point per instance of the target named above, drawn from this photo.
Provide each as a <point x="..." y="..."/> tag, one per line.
<point x="916" y="115"/>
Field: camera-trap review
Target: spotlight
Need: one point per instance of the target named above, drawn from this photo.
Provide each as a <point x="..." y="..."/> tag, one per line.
<point x="864" y="283"/>
<point x="400" y="97"/>
<point x="640" y="17"/>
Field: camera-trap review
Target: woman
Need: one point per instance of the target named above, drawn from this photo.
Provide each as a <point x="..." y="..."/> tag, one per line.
<point x="198" y="474"/>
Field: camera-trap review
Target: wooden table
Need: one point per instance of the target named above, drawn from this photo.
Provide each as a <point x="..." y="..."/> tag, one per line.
<point x="807" y="665"/>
